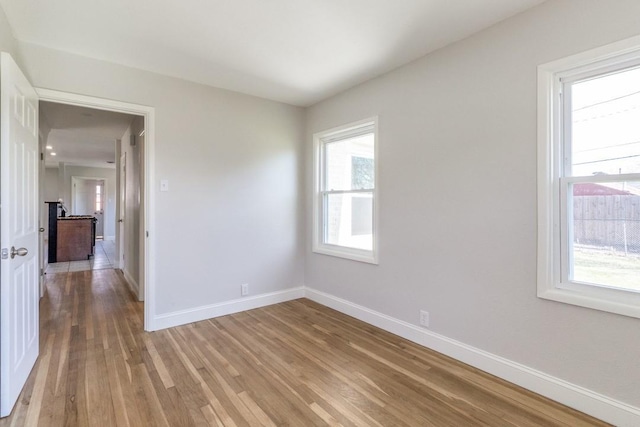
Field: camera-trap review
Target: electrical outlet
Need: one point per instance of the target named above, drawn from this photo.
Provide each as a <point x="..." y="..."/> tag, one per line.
<point x="424" y="318"/>
<point x="244" y="289"/>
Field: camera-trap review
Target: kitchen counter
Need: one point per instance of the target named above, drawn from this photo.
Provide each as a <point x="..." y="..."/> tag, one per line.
<point x="76" y="237"/>
<point x="76" y="217"/>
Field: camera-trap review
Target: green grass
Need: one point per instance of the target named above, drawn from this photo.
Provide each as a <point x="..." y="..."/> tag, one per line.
<point x="609" y="268"/>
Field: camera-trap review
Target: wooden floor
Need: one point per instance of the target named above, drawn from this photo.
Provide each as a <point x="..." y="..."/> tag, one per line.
<point x="291" y="364"/>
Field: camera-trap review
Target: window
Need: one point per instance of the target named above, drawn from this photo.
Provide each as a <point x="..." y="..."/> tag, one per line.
<point x="589" y="179"/>
<point x="345" y="215"/>
<point x="98" y="197"/>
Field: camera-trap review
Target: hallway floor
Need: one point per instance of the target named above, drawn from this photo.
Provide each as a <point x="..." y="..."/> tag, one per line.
<point x="105" y="257"/>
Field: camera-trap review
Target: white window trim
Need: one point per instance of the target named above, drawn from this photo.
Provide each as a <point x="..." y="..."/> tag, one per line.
<point x="549" y="279"/>
<point x="318" y="246"/>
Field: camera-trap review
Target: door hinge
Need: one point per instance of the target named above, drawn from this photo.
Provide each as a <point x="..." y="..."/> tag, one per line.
<point x="5" y="253"/>
<point x="147" y="234"/>
<point x="41" y="156"/>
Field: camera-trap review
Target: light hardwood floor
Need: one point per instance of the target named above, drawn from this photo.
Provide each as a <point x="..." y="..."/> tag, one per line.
<point x="291" y="364"/>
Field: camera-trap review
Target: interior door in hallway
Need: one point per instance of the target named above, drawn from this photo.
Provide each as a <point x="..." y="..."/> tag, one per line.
<point x="19" y="293"/>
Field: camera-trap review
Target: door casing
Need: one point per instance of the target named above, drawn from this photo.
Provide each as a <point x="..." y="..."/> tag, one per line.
<point x="147" y="220"/>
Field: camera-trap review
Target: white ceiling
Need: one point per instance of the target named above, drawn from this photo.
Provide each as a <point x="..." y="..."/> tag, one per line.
<point x="294" y="51"/>
<point x="82" y="136"/>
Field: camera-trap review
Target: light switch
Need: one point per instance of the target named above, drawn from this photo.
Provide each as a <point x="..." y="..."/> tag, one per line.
<point x="164" y="185"/>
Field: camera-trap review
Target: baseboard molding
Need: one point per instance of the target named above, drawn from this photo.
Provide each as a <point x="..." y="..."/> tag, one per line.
<point x="183" y="317"/>
<point x="582" y="399"/>
<point x="132" y="283"/>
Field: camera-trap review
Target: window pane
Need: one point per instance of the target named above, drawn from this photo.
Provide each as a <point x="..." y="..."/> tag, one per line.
<point x="606" y="234"/>
<point x="98" y="197"/>
<point x="606" y="124"/>
<point x="349" y="163"/>
<point x="362" y="173"/>
<point x="349" y="220"/>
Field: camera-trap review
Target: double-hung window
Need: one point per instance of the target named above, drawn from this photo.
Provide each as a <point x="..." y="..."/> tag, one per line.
<point x="589" y="179"/>
<point x="345" y="192"/>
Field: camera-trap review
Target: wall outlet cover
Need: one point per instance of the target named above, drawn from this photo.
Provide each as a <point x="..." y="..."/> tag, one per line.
<point x="424" y="318"/>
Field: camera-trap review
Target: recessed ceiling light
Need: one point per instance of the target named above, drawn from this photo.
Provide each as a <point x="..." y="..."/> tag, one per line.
<point x="48" y="147"/>
<point x="53" y="154"/>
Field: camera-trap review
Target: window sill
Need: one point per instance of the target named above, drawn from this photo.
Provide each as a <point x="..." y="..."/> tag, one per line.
<point x="614" y="301"/>
<point x="368" y="257"/>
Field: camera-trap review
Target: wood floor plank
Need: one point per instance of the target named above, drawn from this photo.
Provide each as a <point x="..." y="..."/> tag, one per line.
<point x="291" y="364"/>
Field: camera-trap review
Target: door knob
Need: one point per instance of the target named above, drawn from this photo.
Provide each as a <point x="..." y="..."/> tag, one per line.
<point x="19" y="252"/>
<point x="42" y="229"/>
<point x="120" y="220"/>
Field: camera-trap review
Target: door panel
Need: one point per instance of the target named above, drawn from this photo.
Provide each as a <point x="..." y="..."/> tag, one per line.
<point x="18" y="229"/>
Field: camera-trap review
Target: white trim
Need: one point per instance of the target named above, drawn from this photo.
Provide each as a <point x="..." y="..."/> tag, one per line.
<point x="182" y="317"/>
<point x="630" y="46"/>
<point x="553" y="236"/>
<point x="580" y="398"/>
<point x="109" y="238"/>
<point x="148" y="223"/>
<point x="371" y="124"/>
<point x="131" y="282"/>
<point x="346" y="253"/>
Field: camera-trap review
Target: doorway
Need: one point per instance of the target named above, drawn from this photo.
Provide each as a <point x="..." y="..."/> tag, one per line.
<point x="80" y="158"/>
<point x="142" y="214"/>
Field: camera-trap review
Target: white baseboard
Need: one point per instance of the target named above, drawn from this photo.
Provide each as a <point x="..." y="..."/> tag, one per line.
<point x="580" y="398"/>
<point x="183" y="317"/>
<point x="132" y="283"/>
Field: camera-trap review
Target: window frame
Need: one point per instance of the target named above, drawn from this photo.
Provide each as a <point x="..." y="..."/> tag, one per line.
<point x="553" y="253"/>
<point x="319" y="213"/>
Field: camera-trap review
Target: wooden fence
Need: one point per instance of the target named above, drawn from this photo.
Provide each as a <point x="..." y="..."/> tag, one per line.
<point x="609" y="221"/>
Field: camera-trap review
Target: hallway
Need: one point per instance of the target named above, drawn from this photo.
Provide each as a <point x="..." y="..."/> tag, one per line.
<point x="105" y="257"/>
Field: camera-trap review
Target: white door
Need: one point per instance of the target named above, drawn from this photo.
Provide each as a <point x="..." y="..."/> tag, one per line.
<point x="18" y="231"/>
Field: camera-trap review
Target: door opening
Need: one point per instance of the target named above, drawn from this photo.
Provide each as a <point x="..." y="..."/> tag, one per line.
<point x="131" y="216"/>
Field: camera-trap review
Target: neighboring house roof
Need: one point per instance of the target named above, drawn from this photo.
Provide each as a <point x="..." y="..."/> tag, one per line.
<point x="591" y="189"/>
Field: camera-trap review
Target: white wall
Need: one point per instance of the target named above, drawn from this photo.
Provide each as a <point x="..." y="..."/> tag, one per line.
<point x="51" y="193"/>
<point x="7" y="41"/>
<point x="458" y="199"/>
<point x="233" y="212"/>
